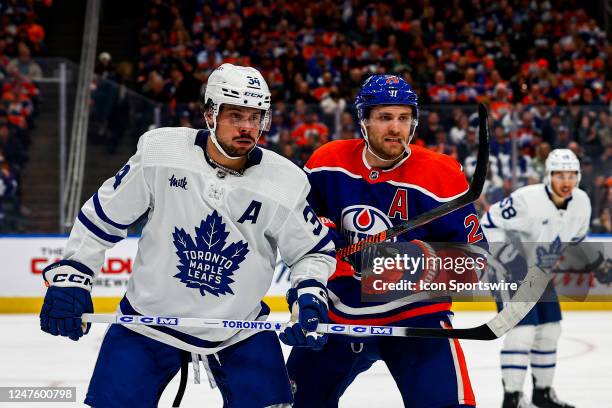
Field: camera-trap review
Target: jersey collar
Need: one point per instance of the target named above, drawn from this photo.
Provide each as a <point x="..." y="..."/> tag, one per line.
<point x="254" y="157"/>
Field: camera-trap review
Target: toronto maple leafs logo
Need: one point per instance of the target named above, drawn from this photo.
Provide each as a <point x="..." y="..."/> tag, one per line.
<point x="208" y="264"/>
<point x="548" y="257"/>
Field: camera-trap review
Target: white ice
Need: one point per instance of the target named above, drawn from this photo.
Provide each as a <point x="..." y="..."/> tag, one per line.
<point x="29" y="357"/>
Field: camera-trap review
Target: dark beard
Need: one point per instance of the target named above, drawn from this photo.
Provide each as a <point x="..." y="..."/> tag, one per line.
<point x="234" y="152"/>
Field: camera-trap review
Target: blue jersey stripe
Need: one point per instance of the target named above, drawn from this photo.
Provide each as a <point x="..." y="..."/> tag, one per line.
<point x="96" y="230"/>
<point x="102" y="215"/>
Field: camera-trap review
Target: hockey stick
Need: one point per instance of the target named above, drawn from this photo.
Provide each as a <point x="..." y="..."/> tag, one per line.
<point x="471" y="195"/>
<point x="513" y="312"/>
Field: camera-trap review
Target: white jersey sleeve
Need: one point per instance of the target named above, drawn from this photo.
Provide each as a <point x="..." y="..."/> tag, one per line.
<point x="509" y="214"/>
<point x="304" y="242"/>
<point x="104" y="218"/>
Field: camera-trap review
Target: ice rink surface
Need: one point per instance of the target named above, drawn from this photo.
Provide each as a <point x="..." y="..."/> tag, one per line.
<point x="29" y="357"/>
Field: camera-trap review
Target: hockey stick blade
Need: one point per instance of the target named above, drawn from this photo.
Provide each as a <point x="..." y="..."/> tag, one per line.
<point x="525" y="298"/>
<point x="471" y="195"/>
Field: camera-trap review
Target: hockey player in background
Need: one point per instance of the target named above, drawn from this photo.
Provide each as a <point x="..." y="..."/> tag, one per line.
<point x="218" y="209"/>
<point x="364" y="186"/>
<point x="544" y="216"/>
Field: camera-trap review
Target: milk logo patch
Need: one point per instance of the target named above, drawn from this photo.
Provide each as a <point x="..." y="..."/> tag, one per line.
<point x="207" y="263"/>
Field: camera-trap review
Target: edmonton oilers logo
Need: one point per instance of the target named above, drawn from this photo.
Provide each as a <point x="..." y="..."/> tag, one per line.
<point x="361" y="221"/>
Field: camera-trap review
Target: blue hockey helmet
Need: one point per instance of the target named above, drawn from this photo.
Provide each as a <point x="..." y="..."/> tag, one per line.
<point x="385" y="90"/>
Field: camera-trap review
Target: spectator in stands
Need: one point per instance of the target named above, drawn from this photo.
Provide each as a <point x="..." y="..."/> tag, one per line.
<point x="459" y="131"/>
<point x="539" y="161"/>
<point x="547" y="56"/>
<point x="24" y="63"/>
<point x="428" y="135"/>
<point x="104" y="66"/>
<point x="8" y="193"/>
<point x="587" y="179"/>
<point x="11" y="147"/>
<point x="587" y="137"/>
<point x="468" y="146"/>
<point x="332" y="105"/>
<point x="603" y="163"/>
<point x="563" y="138"/>
<point x="185" y="89"/>
<point x="603" y="223"/>
<point x="103" y="96"/>
<point x="603" y="126"/>
<point x="155" y="89"/>
<point x="441" y="91"/>
<point x="312" y="132"/>
<point x="35" y="32"/>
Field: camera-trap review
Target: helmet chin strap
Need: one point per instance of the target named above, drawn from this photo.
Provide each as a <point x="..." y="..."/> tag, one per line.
<point x="364" y="132"/>
<point x="213" y="137"/>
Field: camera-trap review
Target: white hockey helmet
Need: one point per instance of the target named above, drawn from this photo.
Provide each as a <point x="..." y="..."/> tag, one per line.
<point x="561" y="160"/>
<point x="235" y="85"/>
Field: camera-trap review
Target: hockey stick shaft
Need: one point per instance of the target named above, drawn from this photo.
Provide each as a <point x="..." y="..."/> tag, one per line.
<point x="254" y="325"/>
<point x="471" y="195"/>
<point x="513" y="312"/>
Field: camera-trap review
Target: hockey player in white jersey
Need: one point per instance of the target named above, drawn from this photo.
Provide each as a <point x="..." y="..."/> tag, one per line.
<point x="544" y="216"/>
<point x="218" y="209"/>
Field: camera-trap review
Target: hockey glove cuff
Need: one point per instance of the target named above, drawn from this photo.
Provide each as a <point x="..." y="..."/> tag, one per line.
<point x="67" y="298"/>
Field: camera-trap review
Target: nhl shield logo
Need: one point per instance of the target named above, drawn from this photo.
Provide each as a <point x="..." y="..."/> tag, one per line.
<point x="207" y="263"/>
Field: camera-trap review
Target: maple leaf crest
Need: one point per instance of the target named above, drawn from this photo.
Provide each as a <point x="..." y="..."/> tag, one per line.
<point x="548" y="257"/>
<point x="206" y="263"/>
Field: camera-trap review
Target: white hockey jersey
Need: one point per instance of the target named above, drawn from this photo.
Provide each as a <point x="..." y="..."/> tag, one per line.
<point x="210" y="244"/>
<point x="530" y="216"/>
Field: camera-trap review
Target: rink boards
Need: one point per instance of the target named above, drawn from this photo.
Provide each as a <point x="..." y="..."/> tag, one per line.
<point x="24" y="257"/>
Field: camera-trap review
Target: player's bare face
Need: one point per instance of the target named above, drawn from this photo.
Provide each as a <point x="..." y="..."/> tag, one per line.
<point x="563" y="182"/>
<point x="238" y="129"/>
<point x="387" y="127"/>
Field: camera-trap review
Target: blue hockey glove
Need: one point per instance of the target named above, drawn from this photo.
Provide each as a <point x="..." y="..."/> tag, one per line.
<point x="308" y="304"/>
<point x="68" y="297"/>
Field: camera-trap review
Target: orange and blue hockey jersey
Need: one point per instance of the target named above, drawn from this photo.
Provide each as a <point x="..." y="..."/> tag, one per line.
<point x="363" y="201"/>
